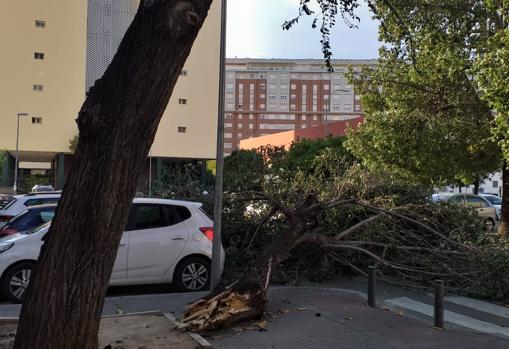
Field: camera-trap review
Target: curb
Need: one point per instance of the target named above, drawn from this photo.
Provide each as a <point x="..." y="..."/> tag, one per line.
<point x="200" y="341"/>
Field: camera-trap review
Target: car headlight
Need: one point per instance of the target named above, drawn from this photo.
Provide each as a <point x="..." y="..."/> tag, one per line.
<point x="5" y="246"/>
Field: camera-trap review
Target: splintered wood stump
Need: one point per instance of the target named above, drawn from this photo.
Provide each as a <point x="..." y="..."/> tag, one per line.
<point x="226" y="308"/>
<point x="245" y="299"/>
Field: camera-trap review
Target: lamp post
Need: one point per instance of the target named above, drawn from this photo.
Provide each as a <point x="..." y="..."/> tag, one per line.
<point x="218" y="199"/>
<point x="16" y="164"/>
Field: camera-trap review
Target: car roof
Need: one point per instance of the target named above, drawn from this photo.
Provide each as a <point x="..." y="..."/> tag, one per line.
<point x="36" y="195"/>
<point x="165" y="201"/>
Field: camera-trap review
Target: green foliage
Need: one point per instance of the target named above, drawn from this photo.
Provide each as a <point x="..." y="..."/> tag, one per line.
<point x="492" y="74"/>
<point x="302" y="155"/>
<point x="73" y="143"/>
<point x="424" y="117"/>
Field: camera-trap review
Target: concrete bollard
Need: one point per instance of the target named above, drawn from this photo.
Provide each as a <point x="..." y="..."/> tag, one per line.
<point x="439" y="303"/>
<point x="372" y="286"/>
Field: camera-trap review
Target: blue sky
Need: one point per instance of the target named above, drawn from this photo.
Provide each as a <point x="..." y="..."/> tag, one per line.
<point x="254" y="31"/>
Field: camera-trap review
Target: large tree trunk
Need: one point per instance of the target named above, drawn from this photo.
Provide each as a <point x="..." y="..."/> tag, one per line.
<point x="503" y="229"/>
<point x="477" y="183"/>
<point x="117" y="125"/>
<point x="245" y="299"/>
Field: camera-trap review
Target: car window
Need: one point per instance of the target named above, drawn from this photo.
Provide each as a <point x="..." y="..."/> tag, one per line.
<point x="40" y="201"/>
<point x="47" y="216"/>
<point x="457" y="199"/>
<point x="176" y="214"/>
<point x="495" y="200"/>
<point x="147" y="217"/>
<point x="27" y="221"/>
<point x="476" y="201"/>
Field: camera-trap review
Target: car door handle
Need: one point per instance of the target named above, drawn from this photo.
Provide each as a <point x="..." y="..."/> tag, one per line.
<point x="176" y="239"/>
<point x="122" y="245"/>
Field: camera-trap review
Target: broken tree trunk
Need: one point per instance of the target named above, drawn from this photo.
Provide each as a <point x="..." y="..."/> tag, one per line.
<point x="117" y="125"/>
<point x="246" y="298"/>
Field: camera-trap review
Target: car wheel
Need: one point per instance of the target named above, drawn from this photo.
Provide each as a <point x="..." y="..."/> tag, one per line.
<point x="192" y="275"/>
<point x="489" y="225"/>
<point x="15" y="281"/>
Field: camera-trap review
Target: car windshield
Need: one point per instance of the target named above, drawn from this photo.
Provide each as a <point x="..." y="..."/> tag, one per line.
<point x="30" y="219"/>
<point x="495" y="200"/>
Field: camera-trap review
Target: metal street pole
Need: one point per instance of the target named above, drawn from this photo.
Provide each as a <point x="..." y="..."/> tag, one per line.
<point x="16" y="165"/>
<point x="218" y="199"/>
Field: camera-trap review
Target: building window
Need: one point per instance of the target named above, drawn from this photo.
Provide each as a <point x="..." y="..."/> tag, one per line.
<point x="239" y="135"/>
<point x="241" y="106"/>
<point x="182" y="101"/>
<point x="293" y="86"/>
<point x="250" y="126"/>
<point x="38" y="55"/>
<point x="183" y="72"/>
<point x="303" y="117"/>
<point x="347" y="107"/>
<point x="182" y="129"/>
<point x="227" y="145"/>
<point x="228" y="135"/>
<point x="38" y="88"/>
<point x="251" y="116"/>
<point x="229" y="85"/>
<point x="36" y="120"/>
<point x="495" y="184"/>
<point x="272" y="97"/>
<point x="239" y="125"/>
<point x="228" y="125"/>
<point x="262" y="106"/>
<point x="335" y="107"/>
<point x="283" y="97"/>
<point x="40" y="24"/>
<point x="326" y="87"/>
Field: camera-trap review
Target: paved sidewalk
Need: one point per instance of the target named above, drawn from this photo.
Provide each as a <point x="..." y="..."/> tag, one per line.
<point x="344" y="321"/>
<point x="317" y="317"/>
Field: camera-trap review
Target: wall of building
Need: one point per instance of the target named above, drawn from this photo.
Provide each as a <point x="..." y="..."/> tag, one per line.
<point x="188" y="127"/>
<point x="264" y="97"/>
<point x="60" y="76"/>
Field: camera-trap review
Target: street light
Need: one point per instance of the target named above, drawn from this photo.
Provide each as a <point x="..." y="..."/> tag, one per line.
<point x="218" y="199"/>
<point x="16" y="165"/>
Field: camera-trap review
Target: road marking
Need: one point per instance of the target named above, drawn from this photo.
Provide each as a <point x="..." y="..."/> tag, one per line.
<point x="451" y="317"/>
<point x="480" y="305"/>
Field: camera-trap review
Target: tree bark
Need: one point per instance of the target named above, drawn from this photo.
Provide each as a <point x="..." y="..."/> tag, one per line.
<point x="246" y="299"/>
<point x="503" y="228"/>
<point x="117" y="125"/>
<point x="476" y="185"/>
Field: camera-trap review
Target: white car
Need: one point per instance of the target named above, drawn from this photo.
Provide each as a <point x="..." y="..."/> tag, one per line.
<point x="19" y="204"/>
<point x="165" y="241"/>
<point x="495" y="201"/>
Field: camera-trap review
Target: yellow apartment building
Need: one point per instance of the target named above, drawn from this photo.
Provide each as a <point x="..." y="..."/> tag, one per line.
<point x="54" y="50"/>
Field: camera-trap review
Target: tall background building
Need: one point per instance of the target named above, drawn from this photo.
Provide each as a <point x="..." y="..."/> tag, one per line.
<point x="266" y="96"/>
<point x="54" y="50"/>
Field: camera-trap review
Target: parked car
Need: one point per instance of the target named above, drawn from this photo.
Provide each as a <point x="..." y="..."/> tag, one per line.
<point x="495" y="201"/>
<point x="19" y="203"/>
<point x="486" y="211"/>
<point x="164" y="241"/>
<point x="33" y="217"/>
<point x="40" y="188"/>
